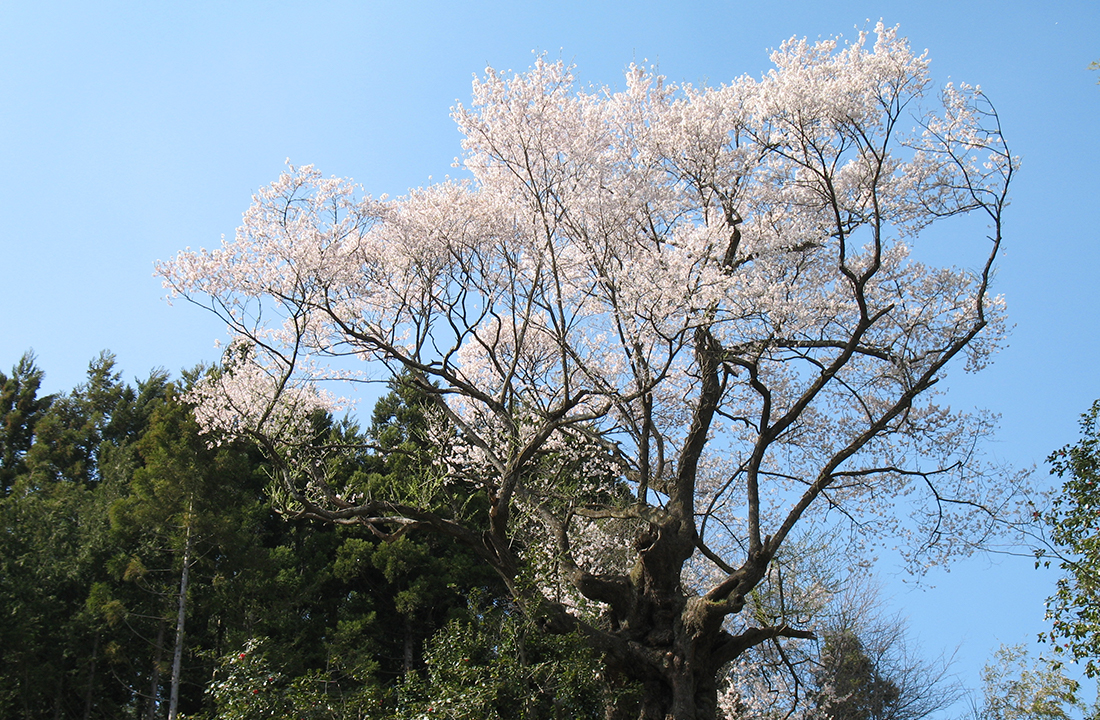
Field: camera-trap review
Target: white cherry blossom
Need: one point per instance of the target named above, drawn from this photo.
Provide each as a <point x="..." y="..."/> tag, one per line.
<point x="684" y="321"/>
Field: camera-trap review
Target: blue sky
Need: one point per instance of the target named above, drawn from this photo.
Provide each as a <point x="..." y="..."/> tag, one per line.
<point x="129" y="131"/>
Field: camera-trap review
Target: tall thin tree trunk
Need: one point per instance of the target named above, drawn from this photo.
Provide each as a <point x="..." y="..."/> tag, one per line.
<point x="410" y="645"/>
<point x="26" y="690"/>
<point x="177" y="656"/>
<point x="57" y="699"/>
<point x="88" y="694"/>
<point x="154" y="685"/>
<point x="528" y="703"/>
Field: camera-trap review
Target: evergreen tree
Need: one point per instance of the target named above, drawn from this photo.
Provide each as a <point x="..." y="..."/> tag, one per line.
<point x="850" y="685"/>
<point x="20" y="410"/>
<point x="117" y="495"/>
<point x="55" y="542"/>
<point x="190" y="511"/>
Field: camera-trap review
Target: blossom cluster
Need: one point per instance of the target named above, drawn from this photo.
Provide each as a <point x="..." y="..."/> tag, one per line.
<point x="612" y="252"/>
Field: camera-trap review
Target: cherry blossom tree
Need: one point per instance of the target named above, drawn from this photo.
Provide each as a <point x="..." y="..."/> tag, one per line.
<point x="665" y="330"/>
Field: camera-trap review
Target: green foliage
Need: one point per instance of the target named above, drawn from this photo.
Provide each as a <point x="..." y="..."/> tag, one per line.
<point x="494" y="665"/>
<point x="180" y="491"/>
<point x="101" y="487"/>
<point x="75" y="437"/>
<point x="55" y="543"/>
<point x="1017" y="688"/>
<point x="1074" y="525"/>
<point x="20" y="411"/>
<point x="247" y="686"/>
<point x="850" y="686"/>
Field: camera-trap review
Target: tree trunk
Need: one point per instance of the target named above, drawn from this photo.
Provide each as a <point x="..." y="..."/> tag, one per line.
<point x="154" y="684"/>
<point x="677" y="640"/>
<point x="529" y="709"/>
<point x="57" y="698"/>
<point x="88" y="694"/>
<point x="410" y="646"/>
<point x="177" y="655"/>
<point x="26" y="690"/>
<point x="685" y="693"/>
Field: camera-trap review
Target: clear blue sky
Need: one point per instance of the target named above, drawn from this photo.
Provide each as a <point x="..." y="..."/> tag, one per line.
<point x="129" y="131"/>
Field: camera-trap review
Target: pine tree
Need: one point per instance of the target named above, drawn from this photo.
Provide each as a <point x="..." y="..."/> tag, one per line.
<point x="20" y="409"/>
